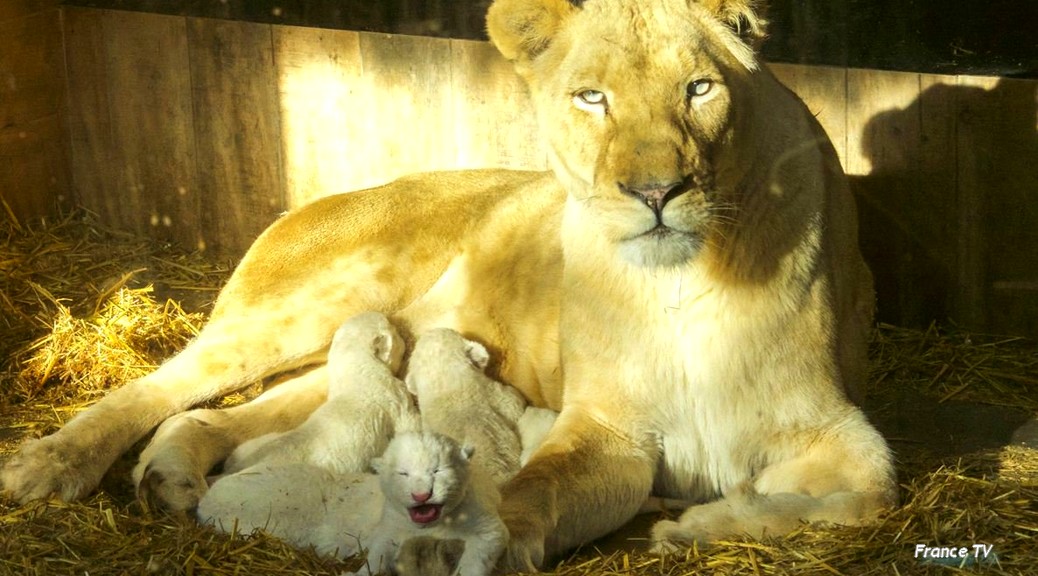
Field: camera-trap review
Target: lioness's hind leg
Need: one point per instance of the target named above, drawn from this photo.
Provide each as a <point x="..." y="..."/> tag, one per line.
<point x="748" y="513"/>
<point x="844" y="475"/>
<point x="171" y="473"/>
<point x="227" y="355"/>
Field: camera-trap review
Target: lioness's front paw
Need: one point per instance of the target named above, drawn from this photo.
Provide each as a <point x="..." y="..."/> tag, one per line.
<point x="525" y="550"/>
<point x="44" y="468"/>
<point x="170" y="484"/>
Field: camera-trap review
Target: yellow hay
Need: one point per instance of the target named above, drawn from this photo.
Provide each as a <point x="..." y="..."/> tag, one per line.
<point x="78" y="315"/>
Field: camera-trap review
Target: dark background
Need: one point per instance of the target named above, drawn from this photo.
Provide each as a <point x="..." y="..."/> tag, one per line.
<point x="979" y="37"/>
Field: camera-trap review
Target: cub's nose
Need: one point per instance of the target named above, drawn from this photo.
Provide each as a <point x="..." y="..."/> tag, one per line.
<point x="421" y="497"/>
<point x="655" y="195"/>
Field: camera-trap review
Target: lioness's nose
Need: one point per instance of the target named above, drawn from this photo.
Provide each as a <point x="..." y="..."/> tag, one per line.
<point x="654" y="195"/>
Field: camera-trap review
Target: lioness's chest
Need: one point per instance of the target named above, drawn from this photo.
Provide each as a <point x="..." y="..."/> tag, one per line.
<point x="690" y="374"/>
<point x="709" y="414"/>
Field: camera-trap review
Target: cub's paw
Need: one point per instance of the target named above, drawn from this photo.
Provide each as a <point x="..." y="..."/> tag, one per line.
<point x="428" y="556"/>
<point x="169" y="484"/>
<point x="46" y="467"/>
<point x="525" y="550"/>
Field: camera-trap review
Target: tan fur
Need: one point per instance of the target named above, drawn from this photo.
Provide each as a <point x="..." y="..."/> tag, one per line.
<point x="719" y="352"/>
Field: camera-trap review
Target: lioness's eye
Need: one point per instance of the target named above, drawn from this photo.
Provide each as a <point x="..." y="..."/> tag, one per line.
<point x="591" y="97"/>
<point x="590" y="100"/>
<point x="699" y="87"/>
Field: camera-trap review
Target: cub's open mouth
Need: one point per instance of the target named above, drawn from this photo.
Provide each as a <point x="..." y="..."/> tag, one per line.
<point x="425" y="513"/>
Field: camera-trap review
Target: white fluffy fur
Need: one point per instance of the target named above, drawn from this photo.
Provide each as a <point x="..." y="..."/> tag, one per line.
<point x="302" y="504"/>
<point x="431" y="469"/>
<point x="456" y="398"/>
<point x="294" y="484"/>
<point x="366" y="405"/>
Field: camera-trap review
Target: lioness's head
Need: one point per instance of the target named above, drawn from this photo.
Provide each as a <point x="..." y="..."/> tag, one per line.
<point x="640" y="104"/>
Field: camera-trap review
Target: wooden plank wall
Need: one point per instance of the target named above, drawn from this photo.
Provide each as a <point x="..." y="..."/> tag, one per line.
<point x="947" y="185"/>
<point x="34" y="156"/>
<point x="203" y="131"/>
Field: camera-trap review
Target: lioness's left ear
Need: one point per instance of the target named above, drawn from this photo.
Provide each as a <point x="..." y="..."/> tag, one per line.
<point x="746" y="17"/>
<point x="522" y="29"/>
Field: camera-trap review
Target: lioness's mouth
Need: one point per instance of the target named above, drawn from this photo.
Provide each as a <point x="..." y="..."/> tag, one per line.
<point x="425" y="513"/>
<point x="660" y="231"/>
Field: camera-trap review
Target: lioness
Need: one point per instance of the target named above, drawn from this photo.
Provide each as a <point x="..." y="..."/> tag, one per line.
<point x="685" y="287"/>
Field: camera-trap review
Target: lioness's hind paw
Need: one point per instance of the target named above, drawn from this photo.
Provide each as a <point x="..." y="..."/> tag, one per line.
<point x="670" y="537"/>
<point x="171" y="490"/>
<point x="41" y="469"/>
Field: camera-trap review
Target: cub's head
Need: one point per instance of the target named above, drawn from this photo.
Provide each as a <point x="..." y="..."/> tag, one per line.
<point x="641" y="104"/>
<point x="368" y="335"/>
<point x="424" y="475"/>
<point x="443" y="360"/>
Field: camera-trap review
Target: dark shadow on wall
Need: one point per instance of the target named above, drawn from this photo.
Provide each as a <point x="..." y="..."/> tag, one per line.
<point x="949" y="212"/>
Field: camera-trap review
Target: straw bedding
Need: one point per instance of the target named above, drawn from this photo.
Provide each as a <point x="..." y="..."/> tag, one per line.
<point x="83" y="308"/>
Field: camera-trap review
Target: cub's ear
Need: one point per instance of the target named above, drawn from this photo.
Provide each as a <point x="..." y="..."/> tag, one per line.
<point x="746" y="17"/>
<point x="376" y="465"/>
<point x="467" y="451"/>
<point x="522" y="29"/>
<point x="477" y="354"/>
<point x="411" y="385"/>
<point x="385" y="348"/>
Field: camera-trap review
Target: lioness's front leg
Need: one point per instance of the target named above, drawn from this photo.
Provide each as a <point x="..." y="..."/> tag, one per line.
<point x="590" y="477"/>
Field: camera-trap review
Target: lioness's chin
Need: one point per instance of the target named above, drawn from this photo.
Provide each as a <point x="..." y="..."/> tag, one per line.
<point x="661" y="249"/>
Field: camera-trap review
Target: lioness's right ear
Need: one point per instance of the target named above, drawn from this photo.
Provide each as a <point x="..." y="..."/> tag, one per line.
<point x="747" y="18"/>
<point x="522" y="29"/>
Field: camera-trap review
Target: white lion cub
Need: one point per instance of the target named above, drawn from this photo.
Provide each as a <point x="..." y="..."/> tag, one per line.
<point x="367" y="405"/>
<point x="455" y="397"/>
<point x="432" y="489"/>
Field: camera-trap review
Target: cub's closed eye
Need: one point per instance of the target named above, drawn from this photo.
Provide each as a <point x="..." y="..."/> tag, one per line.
<point x="402" y="473"/>
<point x="700" y="87"/>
